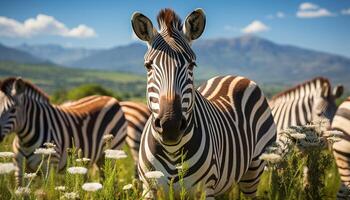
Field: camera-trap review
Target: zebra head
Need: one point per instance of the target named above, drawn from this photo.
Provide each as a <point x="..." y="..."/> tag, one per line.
<point x="169" y="62"/>
<point x="11" y="99"/>
<point x="324" y="106"/>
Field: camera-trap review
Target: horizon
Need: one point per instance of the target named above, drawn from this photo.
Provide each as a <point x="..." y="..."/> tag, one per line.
<point x="325" y="24"/>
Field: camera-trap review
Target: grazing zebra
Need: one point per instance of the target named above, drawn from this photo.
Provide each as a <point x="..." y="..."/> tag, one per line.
<point x="26" y="110"/>
<point x="341" y="149"/>
<point x="136" y="115"/>
<point x="222" y="128"/>
<point x="304" y="103"/>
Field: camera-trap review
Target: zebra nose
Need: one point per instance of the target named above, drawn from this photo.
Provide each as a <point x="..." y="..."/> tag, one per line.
<point x="164" y="125"/>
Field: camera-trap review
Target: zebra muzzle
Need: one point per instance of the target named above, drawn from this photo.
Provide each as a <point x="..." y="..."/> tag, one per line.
<point x="171" y="130"/>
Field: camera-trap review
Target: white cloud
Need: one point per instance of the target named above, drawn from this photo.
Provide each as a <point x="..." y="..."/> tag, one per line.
<point x="280" y="14"/>
<point x="255" y="27"/>
<point x="308" y="6"/>
<point x="42" y="25"/>
<point x="346" y="11"/>
<point x="310" y="10"/>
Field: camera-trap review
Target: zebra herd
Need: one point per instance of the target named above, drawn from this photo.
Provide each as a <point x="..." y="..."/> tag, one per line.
<point x="220" y="129"/>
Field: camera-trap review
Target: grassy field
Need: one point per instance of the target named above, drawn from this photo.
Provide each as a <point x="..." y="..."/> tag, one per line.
<point x="284" y="180"/>
<point x="119" y="173"/>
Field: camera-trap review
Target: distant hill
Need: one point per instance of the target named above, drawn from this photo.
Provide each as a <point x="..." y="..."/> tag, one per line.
<point x="127" y="58"/>
<point x="254" y="57"/>
<point x="259" y="59"/>
<point x="52" y="78"/>
<point x="56" y="53"/>
<point x="11" y="54"/>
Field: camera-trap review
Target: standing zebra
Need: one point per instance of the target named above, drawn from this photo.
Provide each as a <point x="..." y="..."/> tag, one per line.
<point x="26" y="110"/>
<point x="222" y="128"/>
<point x="304" y="103"/>
<point x="341" y="149"/>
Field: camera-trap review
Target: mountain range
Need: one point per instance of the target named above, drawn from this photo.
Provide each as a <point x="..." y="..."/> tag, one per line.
<point x="257" y="58"/>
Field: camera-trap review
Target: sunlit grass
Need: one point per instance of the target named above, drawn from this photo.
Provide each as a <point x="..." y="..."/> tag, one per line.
<point x="283" y="181"/>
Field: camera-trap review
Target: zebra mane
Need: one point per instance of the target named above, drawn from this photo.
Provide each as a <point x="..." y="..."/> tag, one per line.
<point x="7" y="84"/>
<point x="168" y="19"/>
<point x="323" y="80"/>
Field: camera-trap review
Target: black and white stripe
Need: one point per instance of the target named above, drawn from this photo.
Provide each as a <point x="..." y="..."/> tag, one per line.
<point x="222" y="128"/>
<point x="304" y="103"/>
<point x="26" y="110"/>
<point x="341" y="149"/>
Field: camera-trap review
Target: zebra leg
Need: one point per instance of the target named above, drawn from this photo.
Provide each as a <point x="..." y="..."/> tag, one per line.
<point x="250" y="180"/>
<point x="20" y="164"/>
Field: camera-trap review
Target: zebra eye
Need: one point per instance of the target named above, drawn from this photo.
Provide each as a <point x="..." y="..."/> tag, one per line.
<point x="192" y="65"/>
<point x="148" y="65"/>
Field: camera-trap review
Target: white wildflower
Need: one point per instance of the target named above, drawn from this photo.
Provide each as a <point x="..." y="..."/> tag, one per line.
<point x="179" y="167"/>
<point x="6" y="168"/>
<point x="127" y="187"/>
<point x="49" y="145"/>
<point x="83" y="159"/>
<point x="154" y="174"/>
<point x="7" y="154"/>
<point x="334" y="139"/>
<point x="115" y="154"/>
<point x="77" y="170"/>
<point x="45" y="151"/>
<point x="71" y="195"/>
<point x="22" y="191"/>
<point x="333" y="133"/>
<point x="298" y="136"/>
<point x="92" y="187"/>
<point x="270" y="157"/>
<point x="29" y="175"/>
<point x="107" y="137"/>
<point x="60" y="188"/>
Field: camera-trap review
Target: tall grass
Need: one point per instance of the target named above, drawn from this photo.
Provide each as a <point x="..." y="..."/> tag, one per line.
<point x="283" y="180"/>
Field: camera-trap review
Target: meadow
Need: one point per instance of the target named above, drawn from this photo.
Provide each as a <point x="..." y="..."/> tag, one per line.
<point x="283" y="179"/>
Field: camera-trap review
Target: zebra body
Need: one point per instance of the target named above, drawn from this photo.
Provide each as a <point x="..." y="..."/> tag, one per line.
<point x="341" y="149"/>
<point x="82" y="124"/>
<point x="136" y="115"/>
<point x="230" y="128"/>
<point x="304" y="103"/>
<point x="220" y="129"/>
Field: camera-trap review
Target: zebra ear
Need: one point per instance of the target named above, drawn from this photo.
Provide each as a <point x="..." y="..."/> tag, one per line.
<point x="194" y="24"/>
<point x="143" y="27"/>
<point x="338" y="91"/>
<point x="18" y="87"/>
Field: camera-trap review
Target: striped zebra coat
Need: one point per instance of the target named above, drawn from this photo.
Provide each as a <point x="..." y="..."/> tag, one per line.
<point x="220" y="129"/>
<point x="310" y="101"/>
<point x="26" y="110"/>
<point x="341" y="149"/>
<point x="136" y="115"/>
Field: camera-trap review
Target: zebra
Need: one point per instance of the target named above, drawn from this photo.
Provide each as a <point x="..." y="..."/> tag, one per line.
<point x="136" y="115"/>
<point x="220" y="129"/>
<point x="310" y="101"/>
<point x="26" y="110"/>
<point x="341" y="149"/>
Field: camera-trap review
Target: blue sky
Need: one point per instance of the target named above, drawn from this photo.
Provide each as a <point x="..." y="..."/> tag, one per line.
<point x="321" y="25"/>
